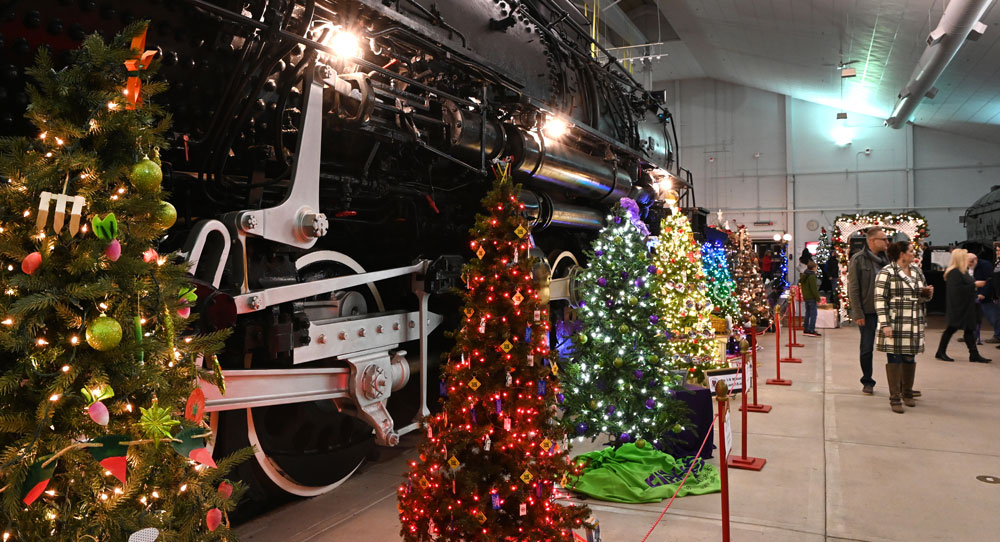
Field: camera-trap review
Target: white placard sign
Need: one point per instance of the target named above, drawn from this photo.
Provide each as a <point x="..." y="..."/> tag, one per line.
<point x="729" y="435"/>
<point x="732" y="377"/>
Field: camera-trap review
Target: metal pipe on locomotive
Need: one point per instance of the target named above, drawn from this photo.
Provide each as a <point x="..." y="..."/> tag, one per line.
<point x="318" y="138"/>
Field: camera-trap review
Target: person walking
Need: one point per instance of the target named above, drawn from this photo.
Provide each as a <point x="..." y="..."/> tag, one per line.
<point x="765" y="264"/>
<point x="810" y="296"/>
<point x="900" y="295"/>
<point x="861" y="272"/>
<point x="960" y="309"/>
<point x="982" y="271"/>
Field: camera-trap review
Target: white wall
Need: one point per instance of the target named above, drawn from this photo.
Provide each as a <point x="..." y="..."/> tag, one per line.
<point x="802" y="174"/>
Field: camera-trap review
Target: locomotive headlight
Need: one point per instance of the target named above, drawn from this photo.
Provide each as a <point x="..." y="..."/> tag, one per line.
<point x="344" y="45"/>
<point x="555" y="127"/>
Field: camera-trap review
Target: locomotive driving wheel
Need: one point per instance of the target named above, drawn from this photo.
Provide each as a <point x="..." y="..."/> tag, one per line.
<point x="310" y="448"/>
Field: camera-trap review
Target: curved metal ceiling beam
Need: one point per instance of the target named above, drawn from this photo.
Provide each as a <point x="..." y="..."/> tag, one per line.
<point x="960" y="21"/>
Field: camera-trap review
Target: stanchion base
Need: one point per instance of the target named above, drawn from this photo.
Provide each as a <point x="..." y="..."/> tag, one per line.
<point x="758" y="408"/>
<point x="798" y="345"/>
<point x="750" y="463"/>
<point x="778" y="382"/>
<point x="791" y="360"/>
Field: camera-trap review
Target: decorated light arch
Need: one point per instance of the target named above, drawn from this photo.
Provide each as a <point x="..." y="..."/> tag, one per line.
<point x="910" y="223"/>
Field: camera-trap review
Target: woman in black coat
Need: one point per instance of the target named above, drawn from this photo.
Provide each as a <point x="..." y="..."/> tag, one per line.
<point x="960" y="310"/>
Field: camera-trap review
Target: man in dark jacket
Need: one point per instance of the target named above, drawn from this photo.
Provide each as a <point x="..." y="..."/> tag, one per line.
<point x="861" y="272"/>
<point x="986" y="297"/>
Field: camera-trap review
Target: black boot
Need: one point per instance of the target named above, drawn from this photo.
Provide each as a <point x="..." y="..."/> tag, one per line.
<point x="974" y="354"/>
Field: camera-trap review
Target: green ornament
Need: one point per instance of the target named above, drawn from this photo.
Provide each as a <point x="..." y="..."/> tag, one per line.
<point x="653" y="358"/>
<point x="619" y="362"/>
<point x="581" y="338"/>
<point x="677" y="428"/>
<point x="593" y="404"/>
<point x="146" y="176"/>
<point x="633" y="300"/>
<point x="623" y="328"/>
<point x="641" y="443"/>
<point x="165" y="216"/>
<point x="104" y="333"/>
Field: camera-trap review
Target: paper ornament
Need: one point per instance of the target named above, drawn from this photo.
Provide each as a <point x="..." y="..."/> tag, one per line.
<point x="38" y="479"/>
<point x="31" y="263"/>
<point x="213" y="519"/>
<point x="149" y="534"/>
<point x="59" y="218"/>
<point x="112" y="455"/>
<point x="225" y="490"/>
<point x="195" y="408"/>
<point x="193" y="447"/>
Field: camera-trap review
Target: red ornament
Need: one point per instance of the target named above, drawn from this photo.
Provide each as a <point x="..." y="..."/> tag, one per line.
<point x="150" y="256"/>
<point x="31" y="262"/>
<point x="225" y="490"/>
<point x="213" y="519"/>
<point x="195" y="408"/>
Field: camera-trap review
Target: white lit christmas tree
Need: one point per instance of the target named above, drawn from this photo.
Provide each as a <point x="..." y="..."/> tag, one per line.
<point x="746" y="272"/>
<point x="822" y="251"/>
<point x="618" y="383"/>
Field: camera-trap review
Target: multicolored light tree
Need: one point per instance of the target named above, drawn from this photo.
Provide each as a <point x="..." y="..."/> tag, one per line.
<point x="746" y="273"/>
<point x="102" y="429"/>
<point x="489" y="464"/>
<point x="685" y="308"/>
<point x="618" y="384"/>
<point x="721" y="287"/>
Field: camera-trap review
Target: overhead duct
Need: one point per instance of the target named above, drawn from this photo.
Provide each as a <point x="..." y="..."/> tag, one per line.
<point x="960" y="21"/>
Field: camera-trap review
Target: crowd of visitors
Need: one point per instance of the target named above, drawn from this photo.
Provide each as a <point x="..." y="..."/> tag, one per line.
<point x="887" y="294"/>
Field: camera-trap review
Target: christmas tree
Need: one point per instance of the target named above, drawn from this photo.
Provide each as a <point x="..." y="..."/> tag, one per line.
<point x="618" y="384"/>
<point x="684" y="305"/>
<point x="822" y="251"/>
<point x="750" y="293"/>
<point x="489" y="465"/>
<point x="102" y="430"/>
<point x="721" y="287"/>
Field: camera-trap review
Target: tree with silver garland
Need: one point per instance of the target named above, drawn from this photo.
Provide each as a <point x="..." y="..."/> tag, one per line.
<point x="823" y="250"/>
<point x="750" y="293"/>
<point x="618" y="383"/>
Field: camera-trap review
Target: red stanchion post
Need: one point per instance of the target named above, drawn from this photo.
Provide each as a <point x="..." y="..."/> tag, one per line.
<point x="722" y="396"/>
<point x="744" y="461"/>
<point x="778" y="381"/>
<point x="755" y="407"/>
<point x="791" y="329"/>
<point x="796" y="294"/>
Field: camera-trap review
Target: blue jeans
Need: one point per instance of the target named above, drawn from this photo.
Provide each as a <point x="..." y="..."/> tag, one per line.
<point x="868" y="348"/>
<point x="809" y="325"/>
<point x="992" y="312"/>
<point x="900" y="358"/>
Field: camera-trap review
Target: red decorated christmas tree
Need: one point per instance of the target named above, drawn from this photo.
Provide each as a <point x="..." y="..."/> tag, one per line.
<point x="489" y="465"/>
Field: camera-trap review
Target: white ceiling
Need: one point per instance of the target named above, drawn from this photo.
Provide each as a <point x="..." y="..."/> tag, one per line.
<point x="793" y="47"/>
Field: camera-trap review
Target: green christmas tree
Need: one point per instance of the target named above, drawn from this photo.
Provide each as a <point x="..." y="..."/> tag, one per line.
<point x="750" y="293"/>
<point x="489" y="465"/>
<point x="822" y="251"/>
<point x="102" y="431"/>
<point x="618" y="384"/>
<point x="721" y="287"/>
<point x="685" y="307"/>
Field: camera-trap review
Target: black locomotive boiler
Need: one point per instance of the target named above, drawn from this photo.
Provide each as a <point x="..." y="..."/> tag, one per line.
<point x="327" y="158"/>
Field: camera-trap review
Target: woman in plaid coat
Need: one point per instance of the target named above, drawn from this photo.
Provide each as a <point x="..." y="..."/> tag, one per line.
<point x="900" y="294"/>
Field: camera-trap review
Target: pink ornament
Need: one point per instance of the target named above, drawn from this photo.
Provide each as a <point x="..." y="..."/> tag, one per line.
<point x="150" y="256"/>
<point x="31" y="262"/>
<point x="99" y="413"/>
<point x="114" y="250"/>
<point x="184" y="312"/>
<point x="225" y="490"/>
<point x="213" y="519"/>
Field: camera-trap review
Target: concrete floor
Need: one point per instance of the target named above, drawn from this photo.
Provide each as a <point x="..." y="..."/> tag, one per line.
<point x="840" y="465"/>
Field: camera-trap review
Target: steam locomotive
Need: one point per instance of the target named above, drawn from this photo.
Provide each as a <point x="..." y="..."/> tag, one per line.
<point x="329" y="155"/>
